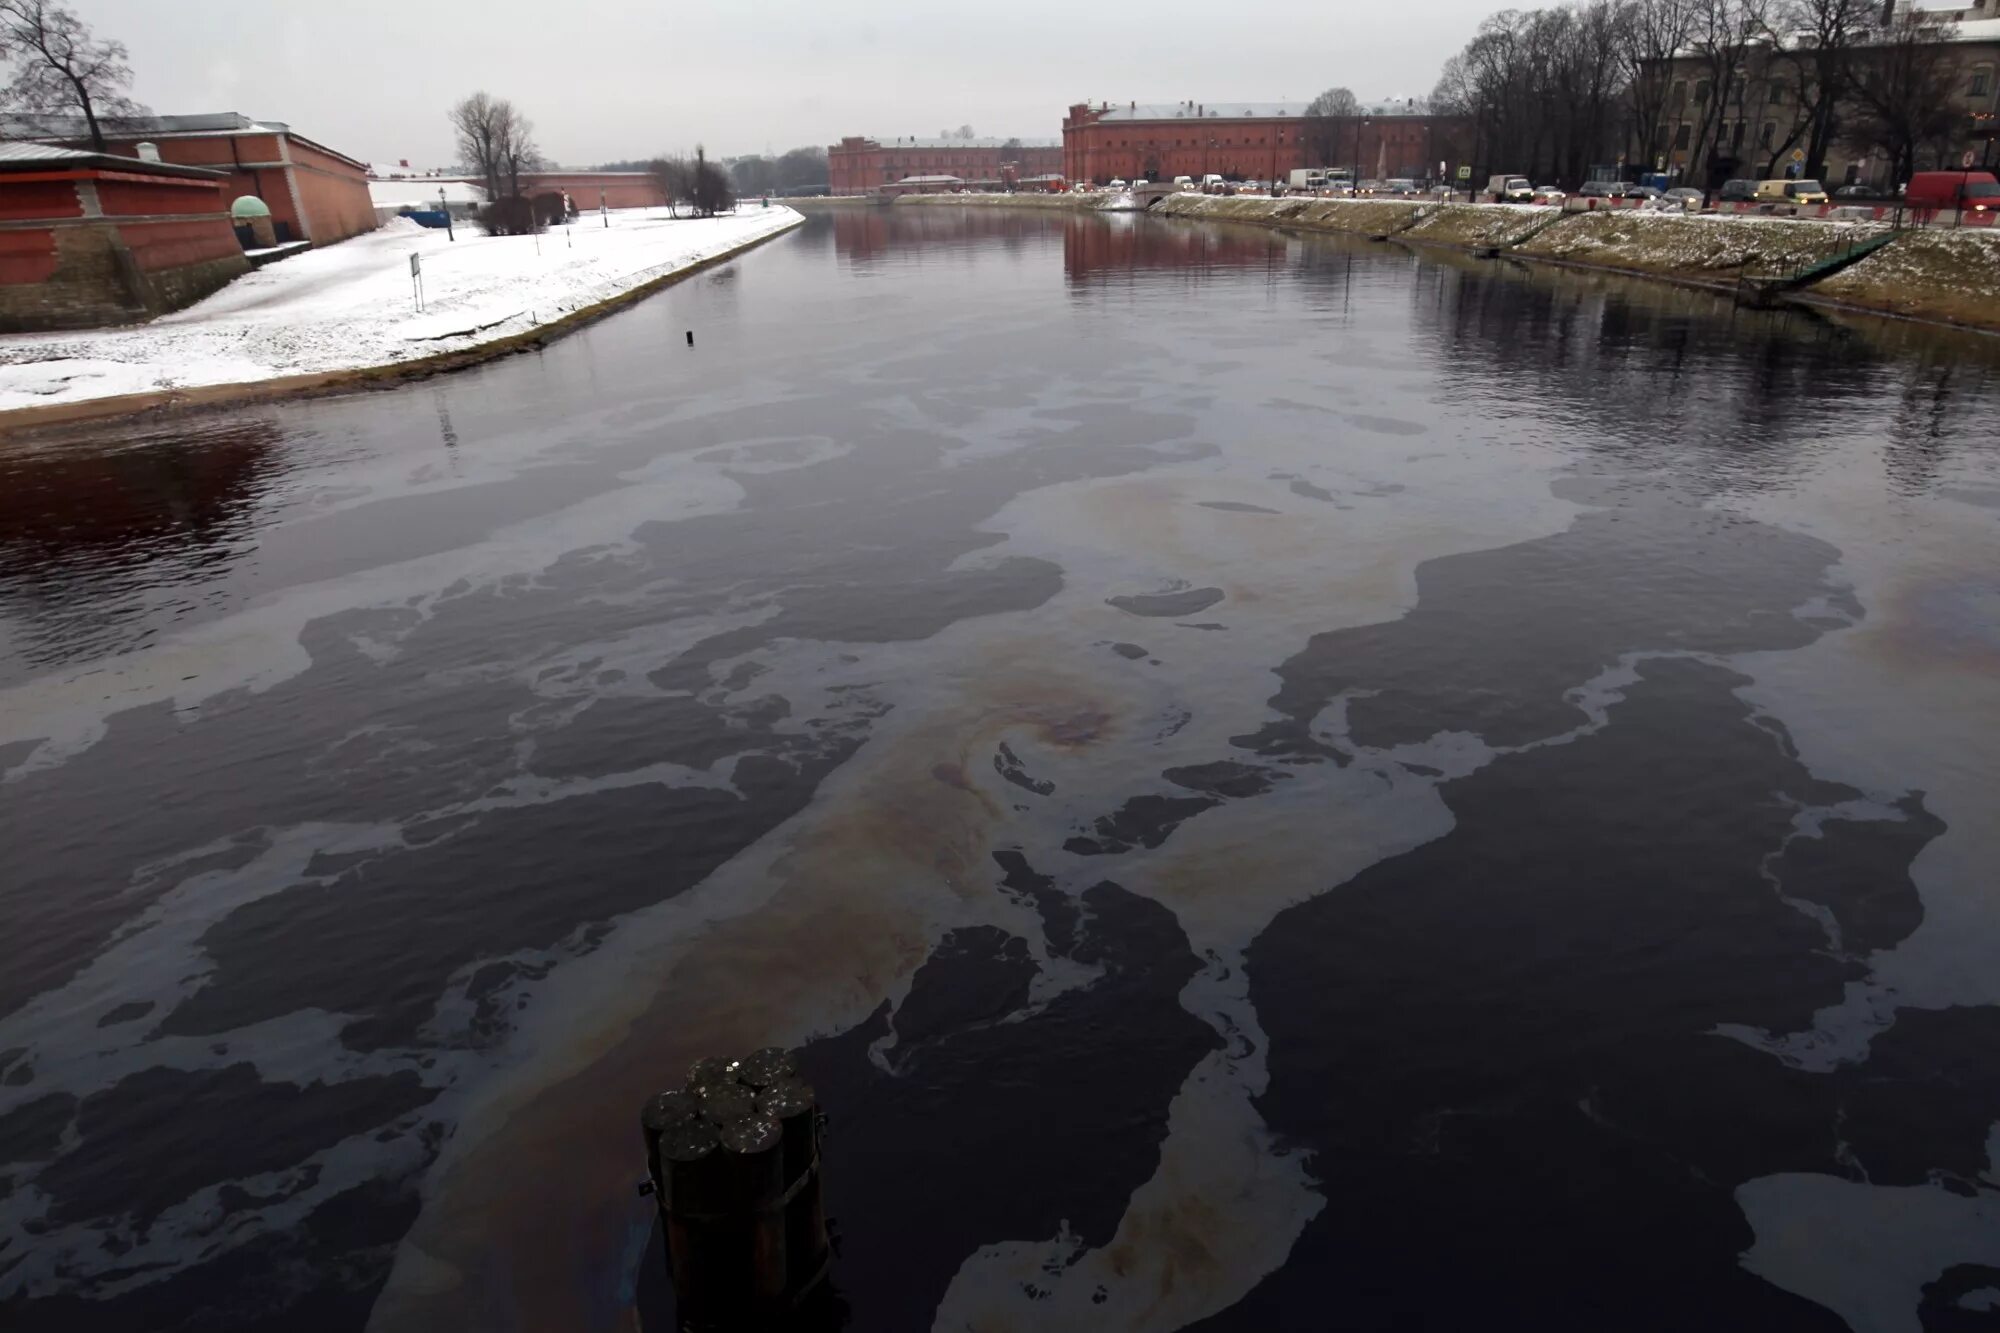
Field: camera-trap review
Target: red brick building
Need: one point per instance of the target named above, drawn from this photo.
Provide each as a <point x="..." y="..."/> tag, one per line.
<point x="1255" y="141"/>
<point x="617" y="189"/>
<point x="859" y="165"/>
<point x="90" y="238"/>
<point x="314" y="193"/>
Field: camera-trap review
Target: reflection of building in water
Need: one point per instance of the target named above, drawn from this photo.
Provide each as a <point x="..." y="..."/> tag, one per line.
<point x="88" y="534"/>
<point x="860" y="233"/>
<point x="1101" y="246"/>
<point x="866" y="234"/>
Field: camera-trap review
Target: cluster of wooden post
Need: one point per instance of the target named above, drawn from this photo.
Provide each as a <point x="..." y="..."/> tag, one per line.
<point x="733" y="1160"/>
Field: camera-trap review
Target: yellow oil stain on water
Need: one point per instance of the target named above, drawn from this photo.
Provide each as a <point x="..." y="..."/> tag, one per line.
<point x="871" y="875"/>
<point x="812" y="930"/>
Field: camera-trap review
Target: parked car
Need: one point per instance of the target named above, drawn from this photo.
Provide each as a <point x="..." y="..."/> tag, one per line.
<point x="1548" y="194"/>
<point x="1646" y="192"/>
<point x="1118" y="184"/>
<point x="1805" y="192"/>
<point x="1686" y="198"/>
<point x="1969" y="191"/>
<point x="1600" y="190"/>
<point x="1402" y="185"/>
<point x="1737" y="192"/>
<point x="1855" y="192"/>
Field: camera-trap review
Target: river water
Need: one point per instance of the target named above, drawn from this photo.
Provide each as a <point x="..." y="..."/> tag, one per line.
<point x="1279" y="784"/>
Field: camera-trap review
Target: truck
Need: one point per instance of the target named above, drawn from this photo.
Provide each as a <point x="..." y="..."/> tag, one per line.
<point x="1508" y="188"/>
<point x="1317" y="179"/>
<point x="1975" y="194"/>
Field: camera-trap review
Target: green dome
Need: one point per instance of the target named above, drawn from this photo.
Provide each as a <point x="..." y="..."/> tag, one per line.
<point x="249" y="206"/>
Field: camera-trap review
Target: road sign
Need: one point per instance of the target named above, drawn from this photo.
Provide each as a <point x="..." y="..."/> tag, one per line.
<point x="1465" y="173"/>
<point x="1798" y="155"/>
<point x="1969" y="158"/>
<point x="416" y="265"/>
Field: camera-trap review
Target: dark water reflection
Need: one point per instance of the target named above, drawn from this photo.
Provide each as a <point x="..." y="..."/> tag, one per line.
<point x="1280" y="782"/>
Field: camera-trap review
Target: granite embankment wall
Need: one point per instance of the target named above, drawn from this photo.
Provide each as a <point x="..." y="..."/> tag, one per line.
<point x="1949" y="276"/>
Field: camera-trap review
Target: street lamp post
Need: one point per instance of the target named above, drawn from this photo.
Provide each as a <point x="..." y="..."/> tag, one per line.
<point x="445" y="208"/>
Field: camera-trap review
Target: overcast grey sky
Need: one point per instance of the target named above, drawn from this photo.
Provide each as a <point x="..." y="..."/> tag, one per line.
<point x="607" y="79"/>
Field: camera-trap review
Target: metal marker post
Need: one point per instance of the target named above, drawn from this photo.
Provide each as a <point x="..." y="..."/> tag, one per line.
<point x="449" y="234"/>
<point x="417" y="280"/>
<point x="602" y="211"/>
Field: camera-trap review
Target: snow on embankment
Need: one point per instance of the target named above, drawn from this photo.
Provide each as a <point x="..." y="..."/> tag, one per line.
<point x="1703" y="247"/>
<point x="1950" y="275"/>
<point x="1074" y="201"/>
<point x="1359" y="217"/>
<point x="1480" y="224"/>
<point x="348" y="307"/>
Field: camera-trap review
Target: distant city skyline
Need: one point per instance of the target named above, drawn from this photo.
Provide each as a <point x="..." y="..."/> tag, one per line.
<point x="606" y="80"/>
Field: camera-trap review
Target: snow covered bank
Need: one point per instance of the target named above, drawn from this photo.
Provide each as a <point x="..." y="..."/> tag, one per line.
<point x="1952" y="275"/>
<point x="349" y="307"/>
<point x="1070" y="201"/>
<point x="1945" y="276"/>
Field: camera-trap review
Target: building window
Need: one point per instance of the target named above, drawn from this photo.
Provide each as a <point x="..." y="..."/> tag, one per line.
<point x="1982" y="80"/>
<point x="1683" y="134"/>
<point x="1736" y="139"/>
<point x="1701" y="92"/>
<point x="1777" y="97"/>
<point x="1679" y="96"/>
<point x="1769" y="133"/>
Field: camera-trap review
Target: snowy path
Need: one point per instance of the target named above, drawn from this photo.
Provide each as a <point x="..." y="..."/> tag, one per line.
<point x="349" y="306"/>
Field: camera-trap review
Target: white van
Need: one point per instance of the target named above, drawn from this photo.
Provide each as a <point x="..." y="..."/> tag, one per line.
<point x="1183" y="182"/>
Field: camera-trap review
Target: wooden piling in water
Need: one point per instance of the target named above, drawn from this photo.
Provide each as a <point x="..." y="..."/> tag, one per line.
<point x="733" y="1159"/>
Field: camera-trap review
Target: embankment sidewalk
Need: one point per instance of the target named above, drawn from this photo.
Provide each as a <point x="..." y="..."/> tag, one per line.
<point x="349" y="308"/>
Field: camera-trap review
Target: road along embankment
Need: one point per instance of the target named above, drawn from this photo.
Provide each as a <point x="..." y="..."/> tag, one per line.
<point x="1950" y="277"/>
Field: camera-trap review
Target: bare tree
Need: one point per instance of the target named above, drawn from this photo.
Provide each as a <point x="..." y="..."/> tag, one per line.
<point x="675" y="177"/>
<point x="1543" y="89"/>
<point x="1325" y="115"/>
<point x="495" y="140"/>
<point x="1903" y="85"/>
<point x="60" y="68"/>
<point x="755" y="174"/>
<point x="1651" y="33"/>
<point x="1726" y="35"/>
<point x="475" y="121"/>
<point x="805" y="168"/>
<point x="710" y="186"/>
<point x="514" y="149"/>
<point x="1818" y="41"/>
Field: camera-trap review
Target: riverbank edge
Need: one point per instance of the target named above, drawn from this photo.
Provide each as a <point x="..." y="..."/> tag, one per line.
<point x="329" y="383"/>
<point x="1248" y="210"/>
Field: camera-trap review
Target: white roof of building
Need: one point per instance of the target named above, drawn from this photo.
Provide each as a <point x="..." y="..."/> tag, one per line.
<point x="418" y="191"/>
<point x="1242" y="110"/>
<point x="38" y="152"/>
<point x="911" y="141"/>
<point x="930" y="180"/>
